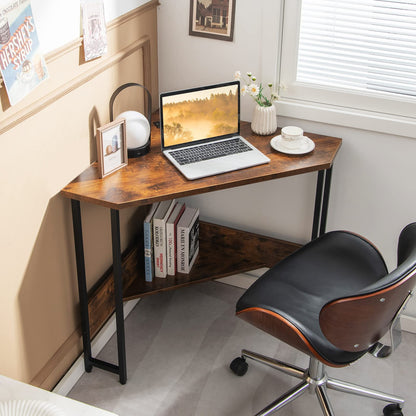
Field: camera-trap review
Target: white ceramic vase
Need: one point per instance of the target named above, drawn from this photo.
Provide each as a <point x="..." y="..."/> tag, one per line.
<point x="264" y="120"/>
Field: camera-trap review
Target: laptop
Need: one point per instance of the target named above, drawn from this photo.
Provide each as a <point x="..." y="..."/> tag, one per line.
<point x="200" y="131"/>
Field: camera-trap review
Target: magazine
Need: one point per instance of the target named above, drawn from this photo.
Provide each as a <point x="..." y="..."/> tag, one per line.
<point x="21" y="62"/>
<point x="94" y="29"/>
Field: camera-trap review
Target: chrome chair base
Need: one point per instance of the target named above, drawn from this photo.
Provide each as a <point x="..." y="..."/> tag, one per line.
<point x="314" y="379"/>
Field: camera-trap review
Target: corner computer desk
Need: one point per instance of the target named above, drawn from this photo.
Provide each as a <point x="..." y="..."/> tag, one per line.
<point x="223" y="251"/>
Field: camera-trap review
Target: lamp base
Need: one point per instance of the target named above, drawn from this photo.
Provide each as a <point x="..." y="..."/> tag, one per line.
<point x="139" y="151"/>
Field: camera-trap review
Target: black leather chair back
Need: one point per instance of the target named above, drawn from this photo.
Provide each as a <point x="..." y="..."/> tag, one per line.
<point x="356" y="322"/>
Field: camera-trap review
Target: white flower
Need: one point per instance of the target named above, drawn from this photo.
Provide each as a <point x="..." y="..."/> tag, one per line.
<point x="257" y="90"/>
<point x="254" y="90"/>
<point x="237" y="75"/>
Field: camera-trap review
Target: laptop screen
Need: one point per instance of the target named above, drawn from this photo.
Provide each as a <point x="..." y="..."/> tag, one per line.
<point x="199" y="114"/>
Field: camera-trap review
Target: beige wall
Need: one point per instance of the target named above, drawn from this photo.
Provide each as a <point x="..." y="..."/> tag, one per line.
<point x="46" y="141"/>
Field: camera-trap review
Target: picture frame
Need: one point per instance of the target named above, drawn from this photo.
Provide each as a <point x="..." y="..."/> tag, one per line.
<point x="212" y="19"/>
<point x="111" y="147"/>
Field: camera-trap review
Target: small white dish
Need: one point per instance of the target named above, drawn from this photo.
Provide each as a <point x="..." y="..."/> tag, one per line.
<point x="306" y="146"/>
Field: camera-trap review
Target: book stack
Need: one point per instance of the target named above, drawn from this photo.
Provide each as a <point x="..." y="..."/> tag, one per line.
<point x="171" y="239"/>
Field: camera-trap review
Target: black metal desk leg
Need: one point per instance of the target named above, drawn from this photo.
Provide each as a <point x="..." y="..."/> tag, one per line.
<point x="82" y="285"/>
<point x="118" y="295"/>
<point x="318" y="204"/>
<point x="323" y="186"/>
<point x="325" y="200"/>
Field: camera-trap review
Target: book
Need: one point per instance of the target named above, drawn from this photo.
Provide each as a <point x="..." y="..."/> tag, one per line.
<point x="171" y="228"/>
<point x="187" y="240"/>
<point x="148" y="243"/>
<point x="159" y="233"/>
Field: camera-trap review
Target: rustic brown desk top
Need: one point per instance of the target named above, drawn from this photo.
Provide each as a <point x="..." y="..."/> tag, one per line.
<point x="152" y="177"/>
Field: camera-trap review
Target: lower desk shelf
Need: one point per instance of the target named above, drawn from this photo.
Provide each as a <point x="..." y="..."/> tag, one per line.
<point x="223" y="252"/>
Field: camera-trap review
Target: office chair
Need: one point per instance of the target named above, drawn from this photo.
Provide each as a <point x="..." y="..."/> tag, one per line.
<point x="334" y="300"/>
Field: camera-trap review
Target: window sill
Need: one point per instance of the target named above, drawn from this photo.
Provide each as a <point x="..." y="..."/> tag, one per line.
<point x="347" y="117"/>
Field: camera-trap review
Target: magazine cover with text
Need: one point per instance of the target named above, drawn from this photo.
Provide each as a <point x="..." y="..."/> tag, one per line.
<point x="21" y="62"/>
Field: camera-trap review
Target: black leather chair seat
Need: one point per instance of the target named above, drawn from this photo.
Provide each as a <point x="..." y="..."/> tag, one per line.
<point x="341" y="256"/>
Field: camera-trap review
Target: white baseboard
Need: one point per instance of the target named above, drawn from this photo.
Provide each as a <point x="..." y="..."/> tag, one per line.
<point x="408" y="323"/>
<point x="243" y="280"/>
<point x="100" y="340"/>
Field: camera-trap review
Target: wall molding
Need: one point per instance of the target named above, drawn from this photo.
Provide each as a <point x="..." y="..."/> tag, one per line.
<point x="132" y="14"/>
<point x="77" y="43"/>
<point x="103" y="63"/>
<point x="63" y="50"/>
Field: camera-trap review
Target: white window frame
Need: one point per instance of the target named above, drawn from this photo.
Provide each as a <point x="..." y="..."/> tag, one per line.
<point x="364" y="110"/>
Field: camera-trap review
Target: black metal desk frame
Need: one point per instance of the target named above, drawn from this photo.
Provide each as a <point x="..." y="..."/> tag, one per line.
<point x="319" y="224"/>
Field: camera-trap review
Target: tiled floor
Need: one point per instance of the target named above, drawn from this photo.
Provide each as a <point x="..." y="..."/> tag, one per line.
<point x="179" y="346"/>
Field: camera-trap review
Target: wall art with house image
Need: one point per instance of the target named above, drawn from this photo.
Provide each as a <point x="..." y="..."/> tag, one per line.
<point x="212" y="19"/>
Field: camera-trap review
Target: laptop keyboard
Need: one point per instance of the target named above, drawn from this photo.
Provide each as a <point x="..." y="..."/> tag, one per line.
<point x="209" y="151"/>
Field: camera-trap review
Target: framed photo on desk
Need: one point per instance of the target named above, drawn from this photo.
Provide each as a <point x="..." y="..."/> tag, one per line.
<point x="111" y="147"/>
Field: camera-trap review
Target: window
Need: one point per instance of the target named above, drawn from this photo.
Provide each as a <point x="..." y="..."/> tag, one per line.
<point x="216" y="15"/>
<point x="355" y="54"/>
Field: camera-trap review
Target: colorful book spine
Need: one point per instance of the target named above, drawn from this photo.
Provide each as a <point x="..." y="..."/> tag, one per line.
<point x="148" y="243"/>
<point x="159" y="232"/>
<point x="171" y="228"/>
<point x="187" y="239"/>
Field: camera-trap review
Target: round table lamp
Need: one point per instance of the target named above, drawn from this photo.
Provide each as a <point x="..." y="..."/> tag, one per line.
<point x="137" y="124"/>
<point x="137" y="129"/>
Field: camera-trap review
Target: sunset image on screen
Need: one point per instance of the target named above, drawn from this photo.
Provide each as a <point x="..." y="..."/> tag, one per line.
<point x="200" y="114"/>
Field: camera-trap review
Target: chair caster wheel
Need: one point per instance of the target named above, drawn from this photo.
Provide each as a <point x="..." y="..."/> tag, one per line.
<point x="392" y="410"/>
<point x="239" y="366"/>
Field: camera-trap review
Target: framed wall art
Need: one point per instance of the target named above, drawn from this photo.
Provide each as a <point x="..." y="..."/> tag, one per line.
<point x="111" y="147"/>
<point x="212" y="19"/>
